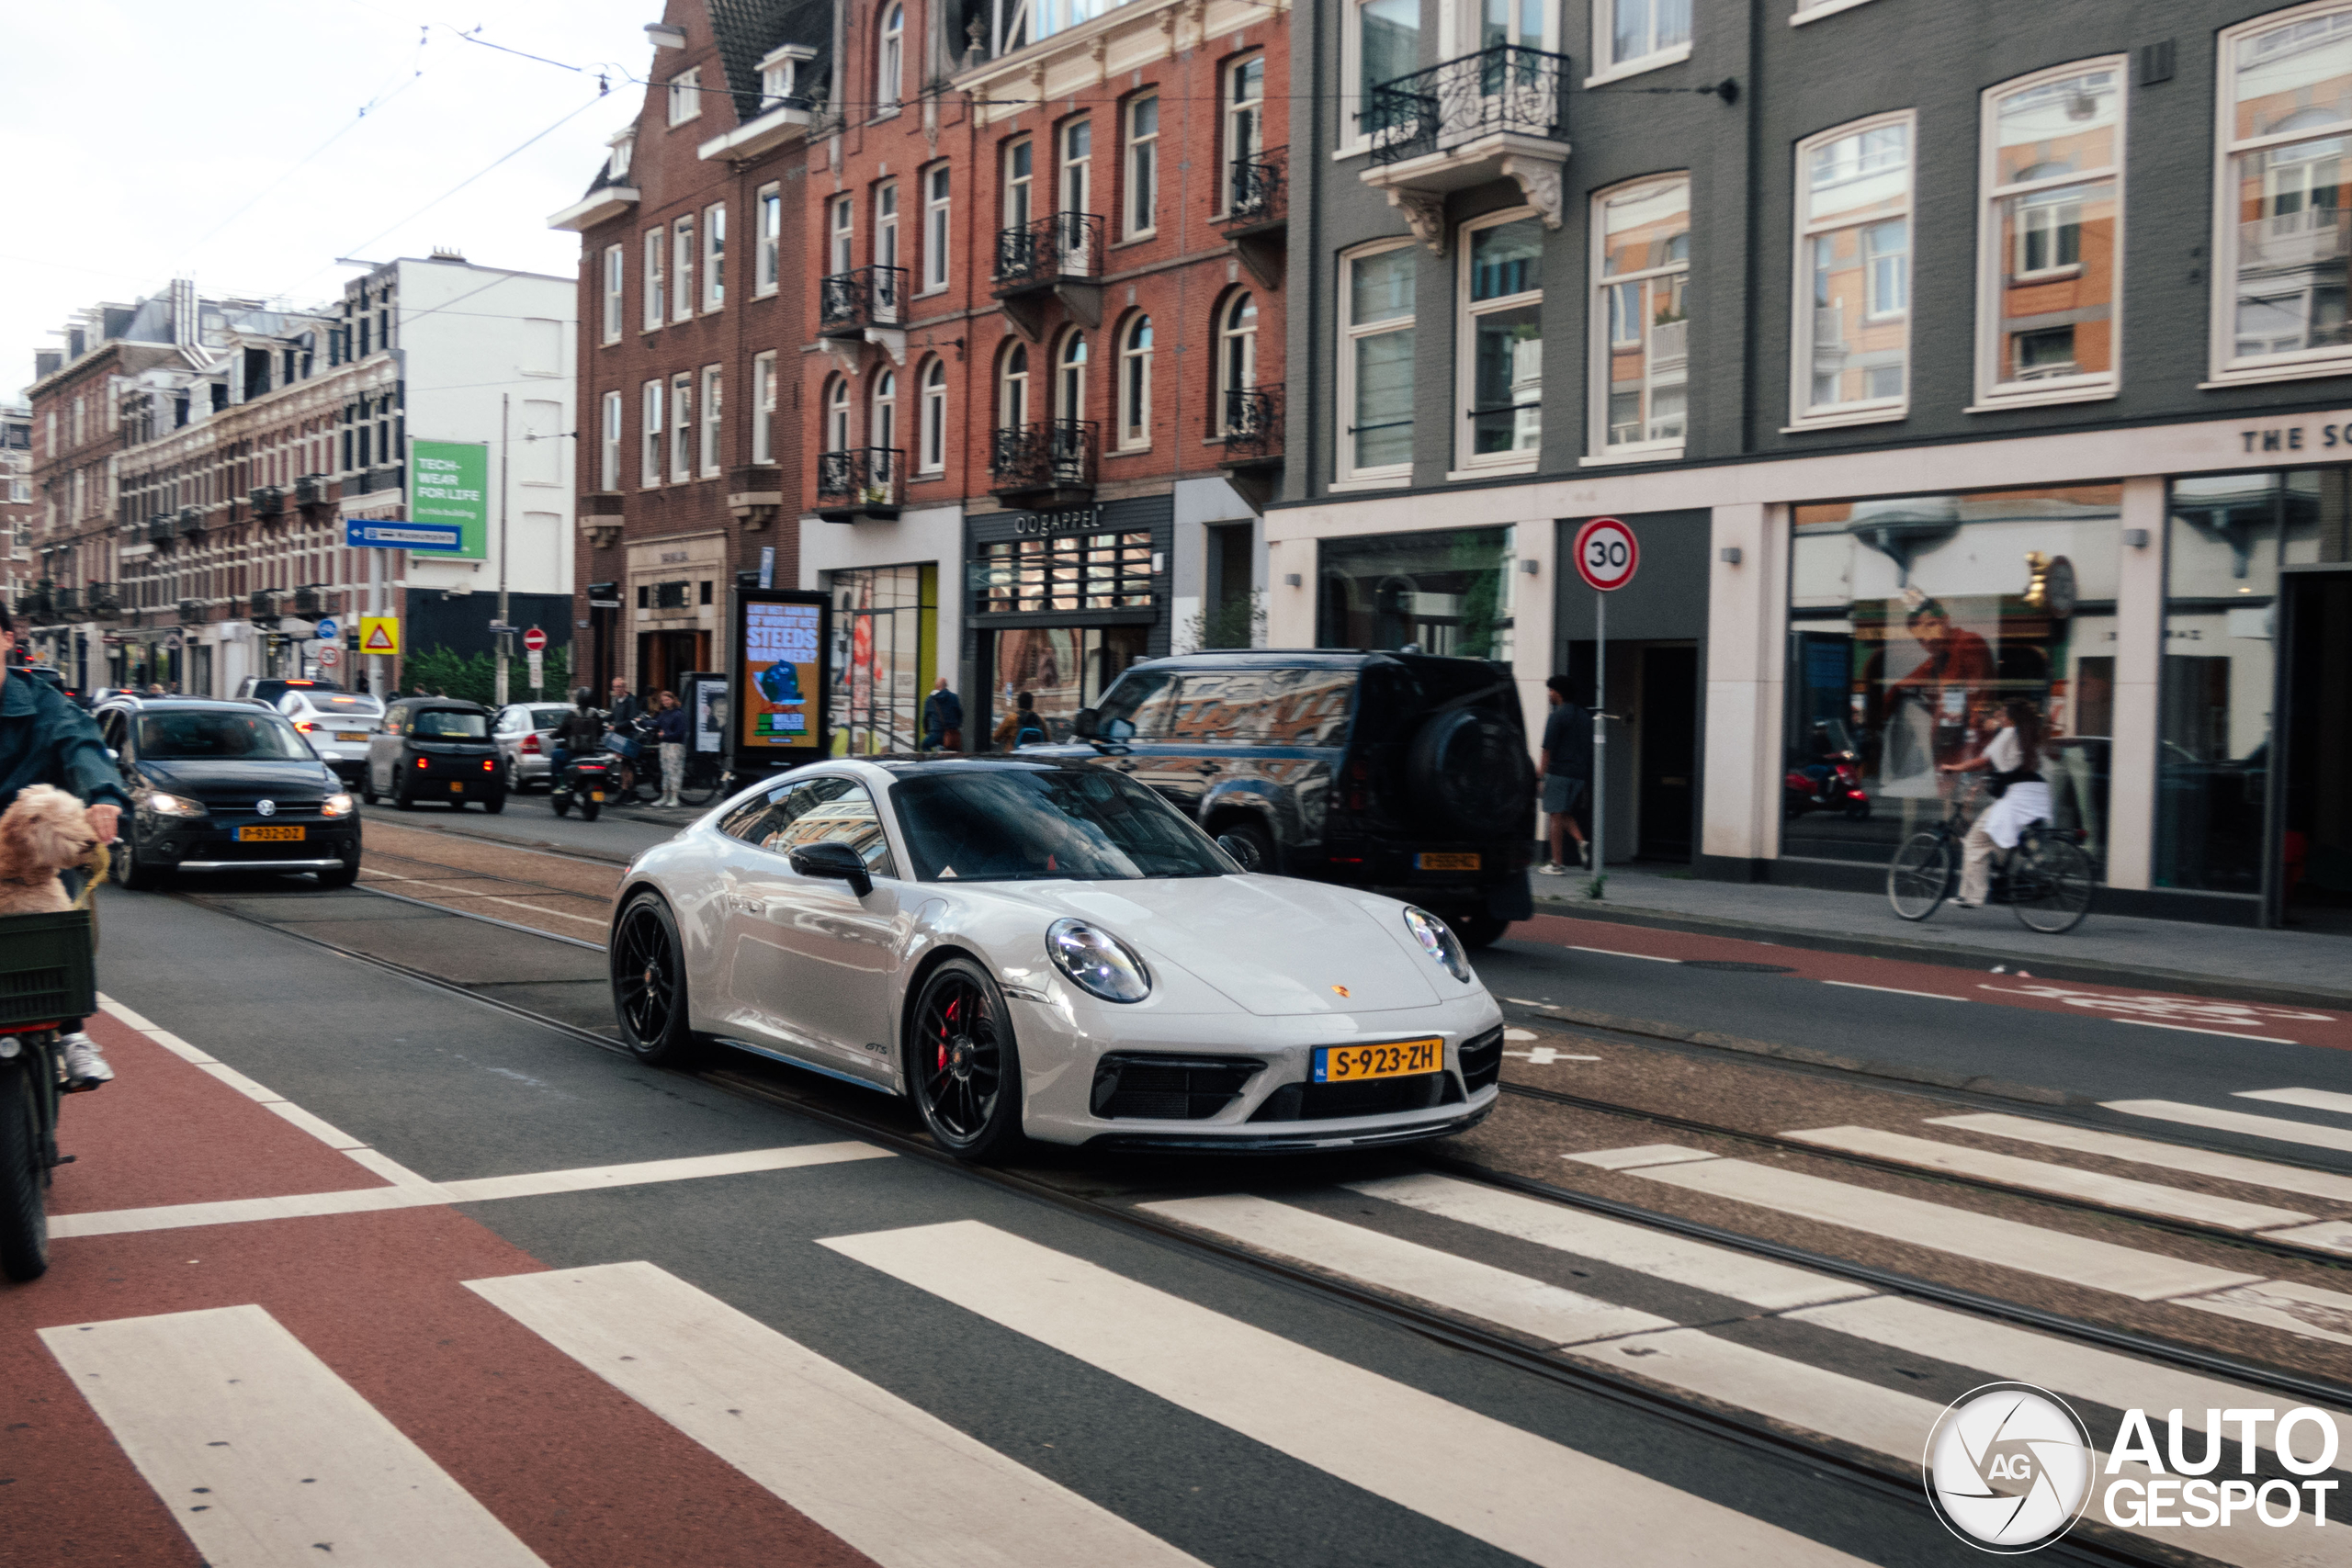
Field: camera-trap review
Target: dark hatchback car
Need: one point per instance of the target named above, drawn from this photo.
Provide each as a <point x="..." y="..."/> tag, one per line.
<point x="435" y="749"/>
<point x="224" y="786"/>
<point x="1404" y="772"/>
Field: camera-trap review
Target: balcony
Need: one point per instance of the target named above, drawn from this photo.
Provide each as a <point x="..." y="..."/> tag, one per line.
<point x="1046" y="464"/>
<point x="850" y="302"/>
<point x="191" y="521"/>
<point x="1060" y="254"/>
<point x="267" y="501"/>
<point x="262" y="604"/>
<point x="310" y="490"/>
<point x="68" y="600"/>
<point x="863" y="482"/>
<point x="1498" y="114"/>
<point x="162" y="528"/>
<point x="1257" y="213"/>
<point x="191" y="612"/>
<point x="1252" y="433"/>
<point x="99" y="603"/>
<point x="37" y="604"/>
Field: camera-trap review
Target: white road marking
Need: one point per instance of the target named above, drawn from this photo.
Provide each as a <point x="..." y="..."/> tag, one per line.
<point x="1985" y="1238"/>
<point x="2224" y="1034"/>
<point x="419" y="1193"/>
<point x="893" y="1481"/>
<point x="1661" y="1255"/>
<point x="1521" y="1034"/>
<point x="1491" y="1481"/>
<point x="2309" y="1099"/>
<point x="1613" y="952"/>
<point x="1544" y="1056"/>
<point x="318" y="1127"/>
<point x="2041" y="1176"/>
<point x="2221" y="1120"/>
<point x="261" y="1452"/>
<point x="1548" y="1312"/>
<point x="2148" y="1151"/>
<point x="1879" y="1419"/>
<point x="597" y="920"/>
<point x="1898" y="991"/>
<point x="2331" y="1235"/>
<point x="2306" y="1309"/>
<point x="1638" y="1156"/>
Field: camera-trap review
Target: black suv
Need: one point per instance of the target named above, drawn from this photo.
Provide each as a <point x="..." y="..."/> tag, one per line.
<point x="1401" y="771"/>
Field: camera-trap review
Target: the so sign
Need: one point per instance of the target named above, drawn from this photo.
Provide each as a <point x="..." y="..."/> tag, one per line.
<point x="1607" y="554"/>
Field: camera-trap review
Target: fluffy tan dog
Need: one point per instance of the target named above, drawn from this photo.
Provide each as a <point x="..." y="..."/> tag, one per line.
<point x="44" y="829"/>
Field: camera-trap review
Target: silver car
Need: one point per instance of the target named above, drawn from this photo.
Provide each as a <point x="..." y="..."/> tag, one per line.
<point x="526" y="737"/>
<point x="336" y="723"/>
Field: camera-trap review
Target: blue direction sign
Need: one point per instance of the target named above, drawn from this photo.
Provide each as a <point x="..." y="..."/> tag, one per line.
<point x="327" y="630"/>
<point x="384" y="535"/>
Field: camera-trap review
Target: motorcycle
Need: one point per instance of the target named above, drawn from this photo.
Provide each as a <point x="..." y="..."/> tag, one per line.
<point x="585" y="781"/>
<point x="1841" y="790"/>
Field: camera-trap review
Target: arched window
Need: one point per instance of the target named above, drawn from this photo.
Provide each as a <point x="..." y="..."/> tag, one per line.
<point x="1236" y="360"/>
<point x="1013" y="392"/>
<point x="837" y="415"/>
<point x="1070" y="379"/>
<point x="1135" y="383"/>
<point x="892" y="56"/>
<point x="883" y="430"/>
<point x="932" y="451"/>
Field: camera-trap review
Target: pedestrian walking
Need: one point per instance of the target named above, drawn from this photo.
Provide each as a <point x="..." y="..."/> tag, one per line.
<point x="44" y="738"/>
<point x="943" y="719"/>
<point x="1567" y="773"/>
<point x="670" y="732"/>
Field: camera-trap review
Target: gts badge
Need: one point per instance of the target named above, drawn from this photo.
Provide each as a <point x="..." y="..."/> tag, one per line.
<point x="1339" y="991"/>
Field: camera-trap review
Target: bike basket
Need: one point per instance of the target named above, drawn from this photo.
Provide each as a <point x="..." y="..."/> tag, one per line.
<point x="48" y="967"/>
<point x="621" y="746"/>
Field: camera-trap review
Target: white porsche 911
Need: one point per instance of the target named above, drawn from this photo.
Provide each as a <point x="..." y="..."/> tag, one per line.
<point x="1052" y="951"/>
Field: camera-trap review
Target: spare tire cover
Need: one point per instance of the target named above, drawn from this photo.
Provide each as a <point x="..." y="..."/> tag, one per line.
<point x="1469" y="776"/>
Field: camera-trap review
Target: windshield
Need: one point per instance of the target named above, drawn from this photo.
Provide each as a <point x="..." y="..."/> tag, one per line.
<point x="450" y="724"/>
<point x="254" y="737"/>
<point x="1083" y="824"/>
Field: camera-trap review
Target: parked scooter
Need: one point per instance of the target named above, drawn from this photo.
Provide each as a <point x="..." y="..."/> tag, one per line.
<point x="1839" y="789"/>
<point x="585" y="780"/>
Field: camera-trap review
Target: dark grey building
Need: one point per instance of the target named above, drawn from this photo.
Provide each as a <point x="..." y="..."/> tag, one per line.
<point x="1942" y="358"/>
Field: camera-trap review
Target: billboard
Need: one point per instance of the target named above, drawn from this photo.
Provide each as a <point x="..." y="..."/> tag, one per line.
<point x="448" y="484"/>
<point x="778" y="702"/>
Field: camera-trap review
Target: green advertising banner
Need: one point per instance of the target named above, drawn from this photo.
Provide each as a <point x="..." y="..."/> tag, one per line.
<point x="449" y="483"/>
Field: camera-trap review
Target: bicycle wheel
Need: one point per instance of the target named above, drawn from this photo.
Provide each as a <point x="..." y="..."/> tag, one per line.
<point x="1920" y="877"/>
<point x="701" y="782"/>
<point x="24" y="1214"/>
<point x="2049" y="884"/>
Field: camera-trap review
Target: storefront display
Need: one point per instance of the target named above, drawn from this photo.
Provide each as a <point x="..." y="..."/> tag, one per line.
<point x="1445" y="592"/>
<point x="1913" y="621"/>
<point x="885" y="653"/>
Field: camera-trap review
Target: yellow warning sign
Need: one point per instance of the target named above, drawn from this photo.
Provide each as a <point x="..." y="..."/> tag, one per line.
<point x="380" y="634"/>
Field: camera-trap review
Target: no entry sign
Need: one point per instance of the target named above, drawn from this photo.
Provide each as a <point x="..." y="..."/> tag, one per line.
<point x="1607" y="554"/>
<point x="533" y="640"/>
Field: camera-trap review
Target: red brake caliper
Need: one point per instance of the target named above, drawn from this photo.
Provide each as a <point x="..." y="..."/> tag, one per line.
<point x="946" y="1019"/>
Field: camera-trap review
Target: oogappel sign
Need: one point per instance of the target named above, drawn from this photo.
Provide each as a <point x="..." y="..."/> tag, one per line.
<point x="2010" y="1468"/>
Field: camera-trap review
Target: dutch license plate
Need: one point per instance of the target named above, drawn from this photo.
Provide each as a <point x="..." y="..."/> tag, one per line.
<point x="1354" y="1064"/>
<point x="457" y="787"/>
<point x="1429" y="861"/>
<point x="597" y="795"/>
<point x="351" y="735"/>
<point x="269" y="835"/>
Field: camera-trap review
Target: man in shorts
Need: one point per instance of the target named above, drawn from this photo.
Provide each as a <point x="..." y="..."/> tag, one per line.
<point x="1566" y="772"/>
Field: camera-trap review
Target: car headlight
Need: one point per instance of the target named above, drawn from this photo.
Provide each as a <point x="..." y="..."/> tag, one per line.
<point x="1438" y="942"/>
<point x="163" y="804"/>
<point x="1097" y="962"/>
<point x="336" y="806"/>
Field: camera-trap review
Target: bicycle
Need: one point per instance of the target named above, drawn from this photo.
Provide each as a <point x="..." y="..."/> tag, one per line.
<point x="706" y="776"/>
<point x="2046" y="880"/>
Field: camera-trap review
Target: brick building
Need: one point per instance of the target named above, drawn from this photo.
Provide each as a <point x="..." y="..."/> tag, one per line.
<point x="688" y="292"/>
<point x="17" y="509"/>
<point x="1043" y="359"/>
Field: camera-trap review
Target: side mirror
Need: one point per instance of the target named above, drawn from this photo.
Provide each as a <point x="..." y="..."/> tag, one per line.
<point x="832" y="860"/>
<point x="1119" y="729"/>
<point x="1081" y="724"/>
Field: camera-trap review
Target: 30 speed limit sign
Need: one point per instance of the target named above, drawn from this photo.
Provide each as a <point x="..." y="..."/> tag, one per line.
<point x="1607" y="554"/>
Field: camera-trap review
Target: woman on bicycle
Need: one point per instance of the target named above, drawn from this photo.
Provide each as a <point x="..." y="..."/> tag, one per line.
<point x="2013" y="759"/>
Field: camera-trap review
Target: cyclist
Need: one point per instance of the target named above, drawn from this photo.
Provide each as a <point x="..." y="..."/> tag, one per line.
<point x="2012" y="761"/>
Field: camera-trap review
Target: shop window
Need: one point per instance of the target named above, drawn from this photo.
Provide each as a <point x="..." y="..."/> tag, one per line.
<point x="2048" y="311"/>
<point x="2283" y="260"/>
<point x="1067" y="571"/>
<point x="1851" y="355"/>
<point x="885" y="655"/>
<point x="1641" y="331"/>
<point x="1501" y="369"/>
<point x="1377" y="364"/>
<point x="1446" y="591"/>
<point x="1913" y="622"/>
<point x="1059" y="669"/>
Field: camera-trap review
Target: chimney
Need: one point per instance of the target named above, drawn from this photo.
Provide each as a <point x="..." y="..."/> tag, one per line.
<point x="448" y="253"/>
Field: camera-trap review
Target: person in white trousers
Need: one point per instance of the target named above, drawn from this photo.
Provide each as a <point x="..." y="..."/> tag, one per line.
<point x="2013" y="758"/>
<point x="670" y="730"/>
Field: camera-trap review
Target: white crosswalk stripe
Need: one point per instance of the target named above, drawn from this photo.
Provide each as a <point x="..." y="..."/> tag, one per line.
<point x="2309" y="1099"/>
<point x="2150" y="1152"/>
<point x="2276" y="1128"/>
<point x="1488" y="1479"/>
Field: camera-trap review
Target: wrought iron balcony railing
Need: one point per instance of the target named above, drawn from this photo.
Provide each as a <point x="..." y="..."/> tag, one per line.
<point x="191" y="520"/>
<point x="1253" y="423"/>
<point x="99" y="599"/>
<point x="191" y="612"/>
<point x="267" y="501"/>
<point x="68" y="600"/>
<point x="1057" y="247"/>
<point x="1255" y="193"/>
<point x="864" y="297"/>
<point x="1507" y="88"/>
<point x="161" y="527"/>
<point x="1056" y="454"/>
<point x="870" y="479"/>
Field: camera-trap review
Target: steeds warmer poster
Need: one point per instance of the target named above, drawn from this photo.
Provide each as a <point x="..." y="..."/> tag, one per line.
<point x="783" y="681"/>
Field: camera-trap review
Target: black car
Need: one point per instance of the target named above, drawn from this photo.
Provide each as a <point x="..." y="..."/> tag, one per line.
<point x="1404" y="772"/>
<point x="224" y="786"/>
<point x="435" y="749"/>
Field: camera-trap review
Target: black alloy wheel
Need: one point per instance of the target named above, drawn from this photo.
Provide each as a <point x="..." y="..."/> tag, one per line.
<point x="589" y="808"/>
<point x="401" y="799"/>
<point x="963" y="1065"/>
<point x="367" y="783"/>
<point x="650" y="984"/>
<point x="495" y="804"/>
<point x="24" y="1216"/>
<point x="1250" y="845"/>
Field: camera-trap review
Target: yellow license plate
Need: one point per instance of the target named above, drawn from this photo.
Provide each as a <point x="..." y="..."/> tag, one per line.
<point x="351" y="735"/>
<point x="597" y="795"/>
<point x="1354" y="1064"/>
<point x="457" y="787"/>
<point x="268" y="835"/>
<point x="1429" y="862"/>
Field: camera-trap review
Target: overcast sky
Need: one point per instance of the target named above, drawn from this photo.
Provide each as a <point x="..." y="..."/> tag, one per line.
<point x="137" y="129"/>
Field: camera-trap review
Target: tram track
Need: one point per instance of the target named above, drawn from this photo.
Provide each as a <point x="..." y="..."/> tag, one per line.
<point x="839" y="1106"/>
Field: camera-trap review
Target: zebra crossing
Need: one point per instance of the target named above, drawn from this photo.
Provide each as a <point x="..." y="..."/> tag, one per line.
<point x="262" y="1452"/>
